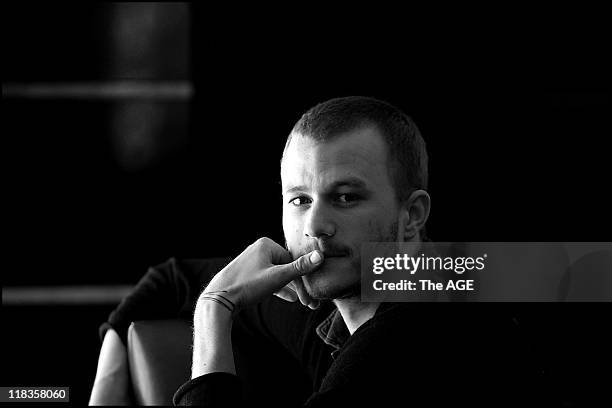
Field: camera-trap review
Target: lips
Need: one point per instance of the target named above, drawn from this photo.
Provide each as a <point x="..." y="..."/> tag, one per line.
<point x="333" y="254"/>
<point x="329" y="251"/>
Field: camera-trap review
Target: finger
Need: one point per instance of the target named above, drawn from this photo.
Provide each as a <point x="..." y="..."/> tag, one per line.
<point x="303" y="295"/>
<point x="301" y="266"/>
<point x="291" y="285"/>
<point x="278" y="254"/>
<point x="287" y="294"/>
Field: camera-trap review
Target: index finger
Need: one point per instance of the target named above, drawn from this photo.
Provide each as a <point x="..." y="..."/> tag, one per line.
<point x="279" y="255"/>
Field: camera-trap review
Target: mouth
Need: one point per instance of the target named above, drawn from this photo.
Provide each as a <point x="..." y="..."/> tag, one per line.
<point x="328" y="255"/>
<point x="333" y="258"/>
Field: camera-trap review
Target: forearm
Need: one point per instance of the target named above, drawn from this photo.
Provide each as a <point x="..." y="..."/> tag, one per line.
<point x="212" y="345"/>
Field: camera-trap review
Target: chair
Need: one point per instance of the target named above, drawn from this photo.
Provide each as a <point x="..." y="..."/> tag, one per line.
<point x="159" y="358"/>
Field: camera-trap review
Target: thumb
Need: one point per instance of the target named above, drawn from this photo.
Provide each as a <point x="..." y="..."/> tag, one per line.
<point x="303" y="265"/>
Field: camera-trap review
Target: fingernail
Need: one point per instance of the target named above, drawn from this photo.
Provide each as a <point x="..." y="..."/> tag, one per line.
<point x="315" y="257"/>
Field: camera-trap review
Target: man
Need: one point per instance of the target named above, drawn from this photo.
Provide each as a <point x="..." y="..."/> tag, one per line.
<point x="354" y="170"/>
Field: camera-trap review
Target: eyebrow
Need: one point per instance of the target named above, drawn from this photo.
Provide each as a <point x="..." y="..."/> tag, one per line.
<point x="352" y="182"/>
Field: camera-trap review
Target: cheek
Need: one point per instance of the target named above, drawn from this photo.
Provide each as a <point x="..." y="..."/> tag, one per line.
<point x="373" y="226"/>
<point x="378" y="229"/>
<point x="355" y="231"/>
<point x="291" y="227"/>
<point x="364" y="229"/>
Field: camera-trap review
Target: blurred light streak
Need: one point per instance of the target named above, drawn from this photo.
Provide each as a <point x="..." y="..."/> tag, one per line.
<point x="64" y="295"/>
<point x="103" y="90"/>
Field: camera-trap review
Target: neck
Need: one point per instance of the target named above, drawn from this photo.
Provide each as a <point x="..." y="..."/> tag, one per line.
<point x="354" y="312"/>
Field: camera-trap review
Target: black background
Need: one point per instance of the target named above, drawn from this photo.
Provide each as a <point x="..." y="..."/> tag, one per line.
<point x="516" y="123"/>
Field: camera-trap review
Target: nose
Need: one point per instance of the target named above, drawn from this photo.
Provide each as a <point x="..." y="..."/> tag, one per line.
<point x="319" y="221"/>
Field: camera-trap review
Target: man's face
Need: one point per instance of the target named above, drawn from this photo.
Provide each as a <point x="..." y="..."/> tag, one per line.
<point x="336" y="196"/>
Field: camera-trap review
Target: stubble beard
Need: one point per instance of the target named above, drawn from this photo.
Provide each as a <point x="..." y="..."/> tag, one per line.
<point x="352" y="290"/>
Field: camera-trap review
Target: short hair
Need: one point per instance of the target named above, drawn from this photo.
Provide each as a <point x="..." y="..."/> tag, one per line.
<point x="405" y="146"/>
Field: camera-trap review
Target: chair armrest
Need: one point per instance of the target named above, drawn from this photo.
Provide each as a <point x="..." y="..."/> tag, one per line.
<point x="159" y="358"/>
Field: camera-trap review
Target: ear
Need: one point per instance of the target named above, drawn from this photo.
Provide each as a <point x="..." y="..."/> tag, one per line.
<point x="413" y="216"/>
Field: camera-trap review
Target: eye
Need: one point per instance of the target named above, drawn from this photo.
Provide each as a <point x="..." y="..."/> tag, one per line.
<point x="347" y="199"/>
<point x="299" y="201"/>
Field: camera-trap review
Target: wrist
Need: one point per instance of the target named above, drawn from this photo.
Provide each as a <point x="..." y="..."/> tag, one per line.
<point x="212" y="328"/>
<point x="220" y="297"/>
<point x="207" y="310"/>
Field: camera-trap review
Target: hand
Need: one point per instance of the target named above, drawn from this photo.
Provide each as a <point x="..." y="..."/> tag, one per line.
<point x="295" y="290"/>
<point x="261" y="270"/>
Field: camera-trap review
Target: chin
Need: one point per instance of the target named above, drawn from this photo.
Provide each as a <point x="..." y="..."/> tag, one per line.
<point x="333" y="281"/>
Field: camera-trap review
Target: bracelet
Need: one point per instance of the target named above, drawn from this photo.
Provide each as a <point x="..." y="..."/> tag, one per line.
<point x="222" y="297"/>
<point x="218" y="301"/>
<point x="225" y="302"/>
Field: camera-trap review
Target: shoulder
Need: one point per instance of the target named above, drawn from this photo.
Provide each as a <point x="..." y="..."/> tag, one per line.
<point x="193" y="271"/>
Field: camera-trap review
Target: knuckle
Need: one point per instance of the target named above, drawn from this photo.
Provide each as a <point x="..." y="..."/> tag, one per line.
<point x="298" y="265"/>
<point x="263" y="241"/>
<point x="301" y="265"/>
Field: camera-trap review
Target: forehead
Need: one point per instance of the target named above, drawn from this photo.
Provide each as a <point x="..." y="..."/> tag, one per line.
<point x="360" y="153"/>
